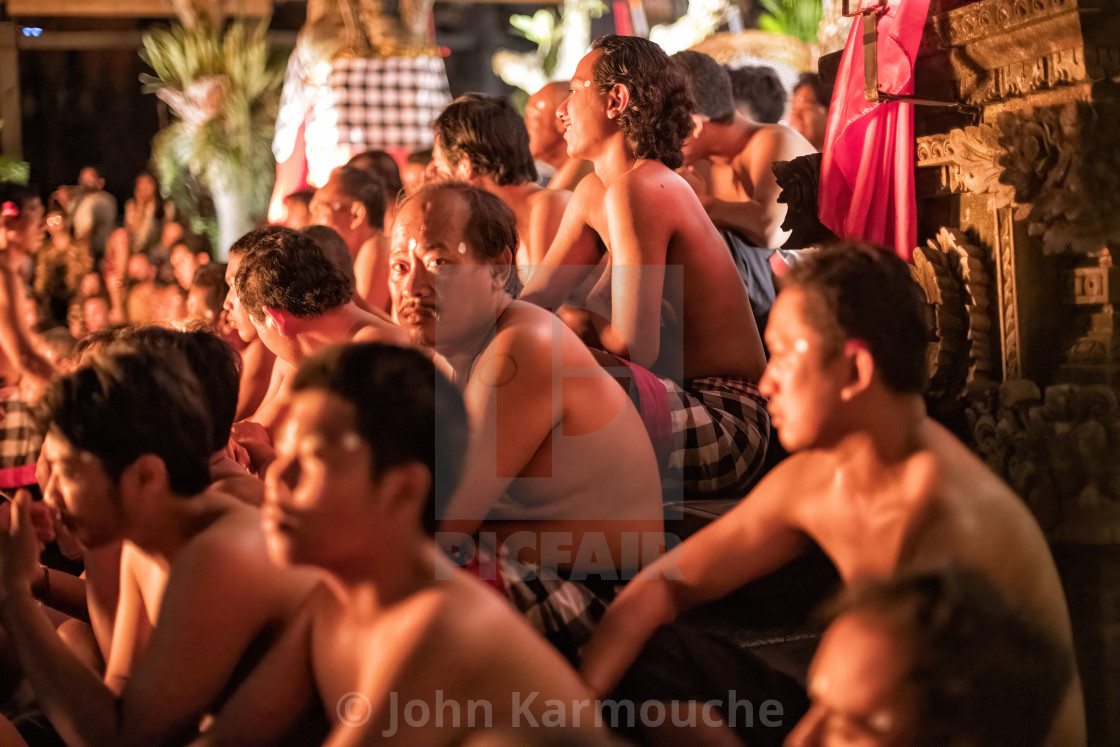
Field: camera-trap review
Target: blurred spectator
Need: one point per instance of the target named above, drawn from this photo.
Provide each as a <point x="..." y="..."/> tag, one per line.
<point x="758" y="92"/>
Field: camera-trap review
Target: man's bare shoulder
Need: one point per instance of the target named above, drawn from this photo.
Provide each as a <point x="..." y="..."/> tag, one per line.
<point x="774" y="142"/>
<point x="547" y="200"/>
<point x="377" y="329"/>
<point x="790" y="490"/>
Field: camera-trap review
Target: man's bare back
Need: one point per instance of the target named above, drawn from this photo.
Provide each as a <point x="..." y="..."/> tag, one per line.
<point x="706" y="306"/>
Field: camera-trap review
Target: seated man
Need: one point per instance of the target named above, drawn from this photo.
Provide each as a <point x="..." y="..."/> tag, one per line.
<point x="300" y="302"/>
<point x="482" y="141"/>
<point x="373" y="444"/>
<point x="546" y="137"/>
<point x="258" y="363"/>
<point x="562" y="475"/>
<point x="740" y="192"/>
<point x="146" y="485"/>
<point x="876" y="483"/>
<point x="932" y="660"/>
<point x="670" y="301"/>
<point x="207" y="295"/>
<point x="352" y="202"/>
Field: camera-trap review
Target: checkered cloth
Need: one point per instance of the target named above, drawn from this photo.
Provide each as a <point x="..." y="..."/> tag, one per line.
<point x="20" y="440"/>
<point x="721" y="429"/>
<point x="565" y="612"/>
<point x="363" y="104"/>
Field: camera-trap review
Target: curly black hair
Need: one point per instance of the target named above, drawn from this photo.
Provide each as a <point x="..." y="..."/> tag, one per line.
<point x="659" y="116"/>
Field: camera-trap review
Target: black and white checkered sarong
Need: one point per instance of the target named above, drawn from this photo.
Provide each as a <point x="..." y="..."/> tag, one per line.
<point x="565" y="612"/>
<point x="721" y="429"/>
<point x="20" y="440"/>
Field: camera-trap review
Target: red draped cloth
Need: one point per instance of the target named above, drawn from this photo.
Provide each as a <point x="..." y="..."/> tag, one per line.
<point x="867" y="174"/>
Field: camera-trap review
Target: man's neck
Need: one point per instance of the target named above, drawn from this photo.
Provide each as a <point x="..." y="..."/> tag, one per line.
<point x="888" y="431"/>
<point x="177" y="519"/>
<point x="613" y="160"/>
<point x="462" y="355"/>
<point x="335" y="326"/>
<point x="726" y="142"/>
<point x="400" y="565"/>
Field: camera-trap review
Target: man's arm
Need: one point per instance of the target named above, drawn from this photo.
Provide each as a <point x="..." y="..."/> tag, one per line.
<point x="371" y="273"/>
<point x="511" y="402"/>
<point x="217" y="601"/>
<point x="544" y="222"/>
<point x="753" y="539"/>
<point x="641" y="216"/>
<point x="14" y="337"/>
<point x="273" y="700"/>
<point x="572" y="255"/>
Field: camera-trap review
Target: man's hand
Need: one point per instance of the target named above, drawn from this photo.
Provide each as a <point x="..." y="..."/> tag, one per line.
<point x="19" y="548"/>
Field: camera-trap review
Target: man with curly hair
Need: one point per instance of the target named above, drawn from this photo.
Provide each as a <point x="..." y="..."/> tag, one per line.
<point x="300" y="302"/>
<point x="669" y="306"/>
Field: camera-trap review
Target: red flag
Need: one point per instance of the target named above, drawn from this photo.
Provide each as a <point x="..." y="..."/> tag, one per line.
<point x="867" y="173"/>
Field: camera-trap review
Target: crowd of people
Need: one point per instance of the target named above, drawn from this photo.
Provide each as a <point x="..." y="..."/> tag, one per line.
<point x="397" y="469"/>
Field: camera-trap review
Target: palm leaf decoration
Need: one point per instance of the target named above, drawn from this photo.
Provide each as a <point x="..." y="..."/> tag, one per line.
<point x="797" y="18"/>
<point x="223" y="88"/>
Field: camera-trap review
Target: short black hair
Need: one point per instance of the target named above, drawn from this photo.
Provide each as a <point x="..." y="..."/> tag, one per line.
<point x="488" y="132"/>
<point x="658" y="118"/>
<point x="287" y="270"/>
<point x="710" y="86"/>
<point x="366" y="187"/>
<point x="980" y="670"/>
<point x="404" y="408"/>
<point x="491" y="225"/>
<point x="381" y="165"/>
<point x="758" y="89"/>
<point x="212" y="360"/>
<point x="301" y="195"/>
<point x="864" y="292"/>
<point x="334" y="246"/>
<point x="125" y="404"/>
<point x="821" y="92"/>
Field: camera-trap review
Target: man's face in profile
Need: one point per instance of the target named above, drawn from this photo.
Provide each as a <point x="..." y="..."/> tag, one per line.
<point x="320" y="504"/>
<point x="81" y="493"/>
<point x="803" y="379"/>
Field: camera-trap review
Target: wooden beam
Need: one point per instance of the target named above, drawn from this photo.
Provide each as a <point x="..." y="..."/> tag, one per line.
<point x="101" y="40"/>
<point x="11" y="137"/>
<point x="123" y="8"/>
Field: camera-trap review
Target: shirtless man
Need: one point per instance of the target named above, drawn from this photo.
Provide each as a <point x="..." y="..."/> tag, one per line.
<point x="561" y="465"/>
<point x="933" y="659"/>
<point x="144" y="485"/>
<point x="876" y="483"/>
<point x="671" y="301"/>
<point x="352" y="202"/>
<point x="258" y="363"/>
<point x="740" y="192"/>
<point x="375" y="440"/>
<point x="482" y="141"/>
<point x="300" y="302"/>
<point x="546" y="137"/>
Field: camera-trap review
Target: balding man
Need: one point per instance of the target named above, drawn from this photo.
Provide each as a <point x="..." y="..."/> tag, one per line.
<point x="546" y="137"/>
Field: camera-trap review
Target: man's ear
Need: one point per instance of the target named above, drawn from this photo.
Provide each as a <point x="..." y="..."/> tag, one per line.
<point x="141" y="481"/>
<point x="503" y="265"/>
<point x="281" y="320"/>
<point x="698" y="123"/>
<point x="405" y="488"/>
<point x="358" y="215"/>
<point x="861" y="369"/>
<point x="618" y="98"/>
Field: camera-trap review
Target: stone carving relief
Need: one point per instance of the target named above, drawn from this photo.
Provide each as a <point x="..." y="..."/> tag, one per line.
<point x="1062" y="163"/>
<point x="951" y="271"/>
<point x="1057" y="450"/>
<point x="994" y="18"/>
<point x="799" y="180"/>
